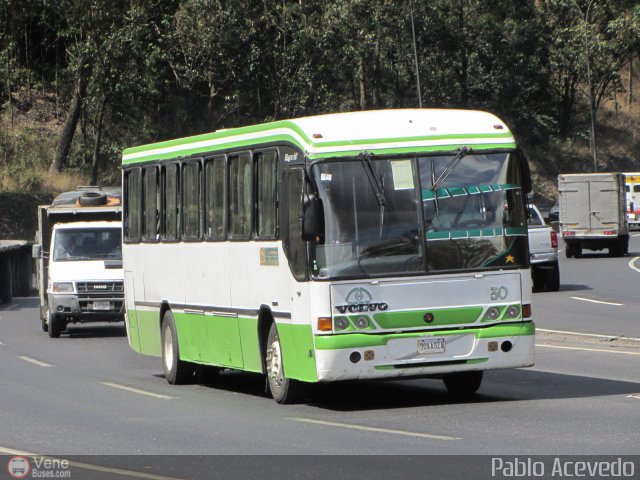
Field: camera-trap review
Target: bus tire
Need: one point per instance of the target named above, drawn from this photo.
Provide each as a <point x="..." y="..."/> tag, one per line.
<point x="176" y="371"/>
<point x="463" y="383"/>
<point x="537" y="277"/>
<point x="54" y="325"/>
<point x="283" y="390"/>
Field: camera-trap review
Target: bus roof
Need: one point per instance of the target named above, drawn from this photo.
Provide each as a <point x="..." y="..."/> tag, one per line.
<point x="341" y="134"/>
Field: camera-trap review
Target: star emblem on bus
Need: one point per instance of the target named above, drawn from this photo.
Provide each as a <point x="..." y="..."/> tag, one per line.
<point x="509" y="259"/>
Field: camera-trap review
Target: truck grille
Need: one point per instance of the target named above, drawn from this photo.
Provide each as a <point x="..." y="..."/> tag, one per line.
<point x="100" y="287"/>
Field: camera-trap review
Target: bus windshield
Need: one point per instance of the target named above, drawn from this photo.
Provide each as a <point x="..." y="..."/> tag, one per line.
<point x="410" y="215"/>
<point x="88" y="244"/>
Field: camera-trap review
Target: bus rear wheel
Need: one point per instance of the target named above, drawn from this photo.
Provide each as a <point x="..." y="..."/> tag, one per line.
<point x="463" y="383"/>
<point x="176" y="371"/>
<point x="283" y="389"/>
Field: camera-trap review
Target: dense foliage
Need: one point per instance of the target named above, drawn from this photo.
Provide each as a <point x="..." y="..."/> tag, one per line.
<point x="126" y="72"/>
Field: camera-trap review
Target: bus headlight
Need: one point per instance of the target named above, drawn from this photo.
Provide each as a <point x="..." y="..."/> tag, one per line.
<point x="362" y="322"/>
<point x="493" y="313"/>
<point x="62" y="287"/>
<point x="340" y="323"/>
<point x="513" y="311"/>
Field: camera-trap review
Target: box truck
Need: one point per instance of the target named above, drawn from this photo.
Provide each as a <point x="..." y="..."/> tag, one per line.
<point x="592" y="213"/>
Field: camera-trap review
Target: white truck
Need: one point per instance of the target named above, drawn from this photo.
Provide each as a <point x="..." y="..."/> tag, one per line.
<point x="543" y="252"/>
<point x="592" y="213"/>
<point x="78" y="250"/>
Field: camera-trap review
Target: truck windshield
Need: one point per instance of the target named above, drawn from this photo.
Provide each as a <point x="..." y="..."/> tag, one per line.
<point x="87" y="244"/>
<point x="473" y="218"/>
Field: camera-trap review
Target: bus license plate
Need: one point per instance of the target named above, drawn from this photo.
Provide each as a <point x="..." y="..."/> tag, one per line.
<point x="431" y="345"/>
<point x="102" y="305"/>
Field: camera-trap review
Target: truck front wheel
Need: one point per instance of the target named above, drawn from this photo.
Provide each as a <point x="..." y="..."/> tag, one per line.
<point x="54" y="325"/>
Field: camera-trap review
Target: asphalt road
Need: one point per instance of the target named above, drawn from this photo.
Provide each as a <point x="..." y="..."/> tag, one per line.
<point x="87" y="393"/>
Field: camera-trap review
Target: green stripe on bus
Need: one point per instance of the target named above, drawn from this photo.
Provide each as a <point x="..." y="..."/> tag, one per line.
<point x="429" y="194"/>
<point x="411" y="150"/>
<point x="415" y="318"/>
<point x="229" y="342"/>
<point x="260" y="134"/>
<point x="363" y="340"/>
<point x="297" y="350"/>
<point x="149" y="331"/>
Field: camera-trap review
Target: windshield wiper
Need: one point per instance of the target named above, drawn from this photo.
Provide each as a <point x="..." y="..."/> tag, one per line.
<point x="451" y="166"/>
<point x="376" y="184"/>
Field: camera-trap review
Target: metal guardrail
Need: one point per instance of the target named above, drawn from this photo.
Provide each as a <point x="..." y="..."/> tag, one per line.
<point x="16" y="268"/>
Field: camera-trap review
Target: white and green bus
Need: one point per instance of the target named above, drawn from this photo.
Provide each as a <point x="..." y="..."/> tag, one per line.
<point x="363" y="245"/>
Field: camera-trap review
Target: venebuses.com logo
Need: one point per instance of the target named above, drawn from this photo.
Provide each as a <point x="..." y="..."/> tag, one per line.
<point x="38" y="467"/>
<point x="19" y="467"/>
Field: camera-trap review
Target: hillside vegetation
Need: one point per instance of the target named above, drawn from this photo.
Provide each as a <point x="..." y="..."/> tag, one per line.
<point x="82" y="79"/>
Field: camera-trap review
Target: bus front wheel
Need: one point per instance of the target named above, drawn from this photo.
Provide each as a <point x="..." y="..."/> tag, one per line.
<point x="463" y="383"/>
<point x="176" y="371"/>
<point x="283" y="389"/>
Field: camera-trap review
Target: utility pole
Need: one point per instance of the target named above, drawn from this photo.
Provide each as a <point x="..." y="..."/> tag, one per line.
<point x="415" y="57"/>
<point x="585" y="18"/>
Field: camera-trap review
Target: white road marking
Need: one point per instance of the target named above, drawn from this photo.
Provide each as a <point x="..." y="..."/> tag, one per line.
<point x="595" y="335"/>
<point x="599" y="350"/>
<point x="632" y="266"/>
<point x="373" y="429"/>
<point x="598" y="301"/>
<point x="634" y="395"/>
<point x="88" y="466"/>
<point x="1" y="343"/>
<point x="138" y="391"/>
<point x="34" y="361"/>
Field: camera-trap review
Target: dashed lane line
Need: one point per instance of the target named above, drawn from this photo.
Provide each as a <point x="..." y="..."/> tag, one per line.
<point x="594" y="335"/>
<point x="598" y="301"/>
<point x="137" y="390"/>
<point x="34" y="361"/>
<point x="374" y="429"/>
<point x="582" y="349"/>
<point x="88" y="466"/>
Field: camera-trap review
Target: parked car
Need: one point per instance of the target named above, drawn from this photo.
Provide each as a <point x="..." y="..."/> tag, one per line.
<point x="543" y="249"/>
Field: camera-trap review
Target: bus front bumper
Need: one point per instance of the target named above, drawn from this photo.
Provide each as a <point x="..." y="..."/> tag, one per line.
<point x="362" y="356"/>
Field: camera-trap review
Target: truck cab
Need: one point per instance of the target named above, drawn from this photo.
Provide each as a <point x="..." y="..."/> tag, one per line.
<point x="85" y="274"/>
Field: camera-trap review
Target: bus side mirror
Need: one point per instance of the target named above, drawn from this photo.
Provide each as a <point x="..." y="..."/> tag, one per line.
<point x="36" y="251"/>
<point x="527" y="183"/>
<point x="312" y="220"/>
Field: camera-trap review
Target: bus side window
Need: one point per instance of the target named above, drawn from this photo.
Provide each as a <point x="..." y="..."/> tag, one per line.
<point x="240" y="197"/>
<point x="267" y="193"/>
<point x="295" y="247"/>
<point x="215" y="188"/>
<point x="191" y="204"/>
<point x="150" y="208"/>
<point x="170" y="202"/>
<point x="133" y="211"/>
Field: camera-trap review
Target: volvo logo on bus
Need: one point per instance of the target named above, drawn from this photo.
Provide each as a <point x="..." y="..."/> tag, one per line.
<point x="360" y="300"/>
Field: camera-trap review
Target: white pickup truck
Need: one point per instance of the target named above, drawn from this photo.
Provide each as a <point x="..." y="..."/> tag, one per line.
<point x="543" y="248"/>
